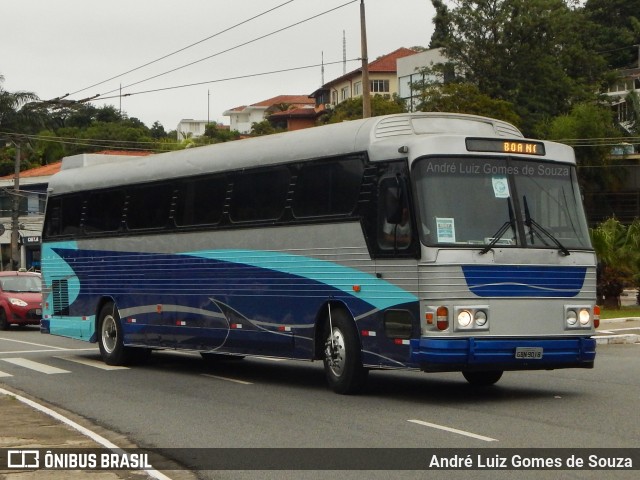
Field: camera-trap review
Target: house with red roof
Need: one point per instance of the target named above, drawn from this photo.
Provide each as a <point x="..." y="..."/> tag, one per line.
<point x="383" y="80"/>
<point x="244" y="116"/>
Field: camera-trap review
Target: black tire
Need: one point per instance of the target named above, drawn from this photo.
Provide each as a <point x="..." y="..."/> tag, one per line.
<point x="4" y="323"/>
<point x="343" y="361"/>
<point x="483" y="379"/>
<point x="111" y="340"/>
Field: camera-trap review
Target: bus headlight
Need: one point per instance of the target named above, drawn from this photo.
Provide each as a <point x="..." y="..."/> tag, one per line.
<point x="571" y="317"/>
<point x="578" y="317"/>
<point x="584" y="317"/>
<point x="464" y="318"/>
<point x="481" y="318"/>
<point x="472" y="318"/>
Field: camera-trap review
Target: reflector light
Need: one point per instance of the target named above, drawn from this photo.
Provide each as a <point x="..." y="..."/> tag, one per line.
<point x="442" y="318"/>
<point x="368" y="333"/>
<point x="429" y="318"/>
<point x="596" y="316"/>
<point x="356" y="288"/>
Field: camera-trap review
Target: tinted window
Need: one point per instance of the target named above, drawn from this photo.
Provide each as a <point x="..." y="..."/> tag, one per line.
<point x="201" y="201"/>
<point x="259" y="195"/>
<point x="104" y="211"/>
<point x="64" y="215"/>
<point x="328" y="188"/>
<point x="148" y="206"/>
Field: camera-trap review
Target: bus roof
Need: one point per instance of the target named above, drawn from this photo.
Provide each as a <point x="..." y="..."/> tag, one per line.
<point x="380" y="137"/>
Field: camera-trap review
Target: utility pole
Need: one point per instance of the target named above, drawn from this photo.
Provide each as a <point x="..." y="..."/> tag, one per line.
<point x="366" y="88"/>
<point x="15" y="212"/>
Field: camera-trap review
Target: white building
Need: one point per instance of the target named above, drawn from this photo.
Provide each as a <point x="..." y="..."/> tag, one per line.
<point x="189" y="128"/>
<point x="409" y="72"/>
<point x="242" y="118"/>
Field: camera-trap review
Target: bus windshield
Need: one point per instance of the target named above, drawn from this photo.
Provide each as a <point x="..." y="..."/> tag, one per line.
<point x="490" y="202"/>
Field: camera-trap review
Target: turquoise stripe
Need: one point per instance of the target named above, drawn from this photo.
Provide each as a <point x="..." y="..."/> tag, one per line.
<point x="375" y="291"/>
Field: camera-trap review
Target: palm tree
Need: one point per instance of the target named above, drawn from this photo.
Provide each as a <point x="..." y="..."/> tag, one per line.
<point x="15" y="111"/>
<point x="617" y="248"/>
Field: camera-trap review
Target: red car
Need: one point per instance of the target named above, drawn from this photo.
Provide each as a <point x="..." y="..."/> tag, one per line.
<point x="20" y="299"/>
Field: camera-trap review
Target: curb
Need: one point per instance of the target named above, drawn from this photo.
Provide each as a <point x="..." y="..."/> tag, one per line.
<point x="611" y="338"/>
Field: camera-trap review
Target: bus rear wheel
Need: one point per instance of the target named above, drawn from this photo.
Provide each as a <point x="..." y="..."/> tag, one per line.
<point x="111" y="340"/>
<point x="342" y="356"/>
<point x="483" y="379"/>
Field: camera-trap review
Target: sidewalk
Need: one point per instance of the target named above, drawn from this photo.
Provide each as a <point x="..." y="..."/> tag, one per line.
<point x="23" y="427"/>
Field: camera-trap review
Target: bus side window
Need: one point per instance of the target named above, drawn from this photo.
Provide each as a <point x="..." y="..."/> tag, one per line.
<point x="104" y="211"/>
<point x="64" y="215"/>
<point x="394" y="220"/>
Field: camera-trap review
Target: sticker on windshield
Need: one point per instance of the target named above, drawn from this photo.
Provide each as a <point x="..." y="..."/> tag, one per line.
<point x="446" y="230"/>
<point x="500" y="187"/>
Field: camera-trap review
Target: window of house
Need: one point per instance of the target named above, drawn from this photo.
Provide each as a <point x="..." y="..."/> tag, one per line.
<point x="379" y="86"/>
<point x="357" y="89"/>
<point x="344" y="93"/>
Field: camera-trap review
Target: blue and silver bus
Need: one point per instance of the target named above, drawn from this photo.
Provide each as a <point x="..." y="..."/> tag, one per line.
<point x="427" y="241"/>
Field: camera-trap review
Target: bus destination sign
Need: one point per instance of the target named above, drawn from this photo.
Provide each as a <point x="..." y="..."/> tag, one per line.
<point x="498" y="145"/>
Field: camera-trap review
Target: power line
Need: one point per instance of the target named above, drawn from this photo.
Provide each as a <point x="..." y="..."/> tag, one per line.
<point x="234" y="47"/>
<point x="183" y="48"/>
<point x="239" y="77"/>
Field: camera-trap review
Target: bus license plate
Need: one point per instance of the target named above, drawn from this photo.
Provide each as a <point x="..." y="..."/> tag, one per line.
<point x="529" y="353"/>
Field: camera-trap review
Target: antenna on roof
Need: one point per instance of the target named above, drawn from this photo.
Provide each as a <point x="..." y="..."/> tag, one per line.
<point x="344" y="53"/>
<point x="322" y="70"/>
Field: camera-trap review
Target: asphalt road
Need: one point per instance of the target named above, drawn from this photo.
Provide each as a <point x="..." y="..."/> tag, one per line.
<point x="177" y="400"/>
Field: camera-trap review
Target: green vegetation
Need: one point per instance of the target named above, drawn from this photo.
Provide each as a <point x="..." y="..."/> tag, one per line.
<point x="621" y="312"/>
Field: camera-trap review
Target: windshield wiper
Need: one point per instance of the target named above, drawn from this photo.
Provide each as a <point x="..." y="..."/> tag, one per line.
<point x="498" y="235"/>
<point x="535" y="228"/>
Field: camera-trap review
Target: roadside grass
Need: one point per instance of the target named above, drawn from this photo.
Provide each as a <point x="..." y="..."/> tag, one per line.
<point x="625" y="311"/>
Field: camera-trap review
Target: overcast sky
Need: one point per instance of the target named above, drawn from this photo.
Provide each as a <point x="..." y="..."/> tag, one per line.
<point x="54" y="47"/>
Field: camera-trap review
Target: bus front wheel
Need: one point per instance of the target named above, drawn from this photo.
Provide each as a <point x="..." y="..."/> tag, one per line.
<point x="483" y="379"/>
<point x="342" y="355"/>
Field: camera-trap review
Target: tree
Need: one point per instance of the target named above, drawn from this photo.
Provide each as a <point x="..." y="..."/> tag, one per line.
<point x="351" y="109"/>
<point x="535" y="54"/>
<point x="618" y="32"/>
<point x="462" y="97"/>
<point x="16" y="115"/>
<point x="157" y="130"/>
<point x="618" y="250"/>
<point x="590" y="121"/>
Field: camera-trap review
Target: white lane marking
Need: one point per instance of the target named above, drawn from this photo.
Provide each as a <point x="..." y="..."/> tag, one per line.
<point x="32" y="343"/>
<point x="15" y="352"/>
<point x="83" y="430"/>
<point x="454" y="430"/>
<point x="38" y="367"/>
<point x="270" y="359"/>
<point x="242" y="382"/>
<point x="5" y="374"/>
<point x="92" y="363"/>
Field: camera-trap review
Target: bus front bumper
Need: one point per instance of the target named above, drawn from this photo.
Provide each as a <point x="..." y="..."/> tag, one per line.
<point x="447" y="355"/>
